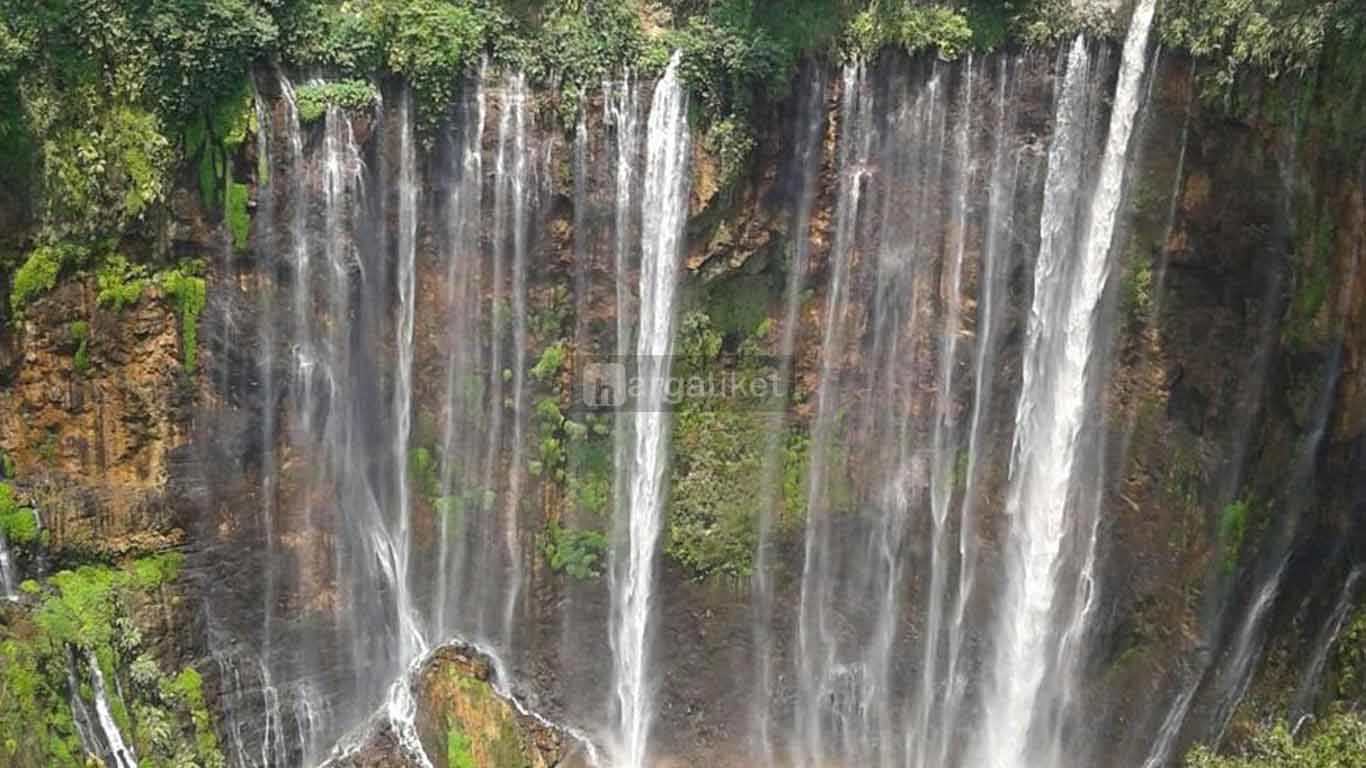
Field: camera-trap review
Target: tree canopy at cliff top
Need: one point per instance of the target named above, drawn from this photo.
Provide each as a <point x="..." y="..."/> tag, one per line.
<point x="102" y="100"/>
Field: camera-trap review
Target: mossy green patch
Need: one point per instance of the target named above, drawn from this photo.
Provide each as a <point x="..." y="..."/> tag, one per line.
<point x="187" y="291"/>
<point x="17" y="522"/>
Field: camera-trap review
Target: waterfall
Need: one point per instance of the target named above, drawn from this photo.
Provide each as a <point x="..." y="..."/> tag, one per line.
<point x="119" y="750"/>
<point x="621" y="107"/>
<point x="411" y="642"/>
<point x="7" y="581"/>
<point x="806" y="162"/>
<point x="1307" y="692"/>
<point x="664" y="208"/>
<point x="945" y="428"/>
<point x="515" y="101"/>
<point x="1052" y="417"/>
<point x="815" y="663"/>
<point x="1005" y="167"/>
<point x="463" y="211"/>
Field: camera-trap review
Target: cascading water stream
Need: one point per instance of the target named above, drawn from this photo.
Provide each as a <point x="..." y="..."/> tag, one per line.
<point x="7" y="571"/>
<point x="664" y="208"/>
<point x="945" y="438"/>
<point x="515" y="98"/>
<point x="1052" y="416"/>
<point x="463" y="214"/>
<point x="814" y="649"/>
<point x="411" y="641"/>
<point x="810" y="120"/>
<point x="1307" y="692"/>
<point x="1005" y="167"/>
<point x="120" y="751"/>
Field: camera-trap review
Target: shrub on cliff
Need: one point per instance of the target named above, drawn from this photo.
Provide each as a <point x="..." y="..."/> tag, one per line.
<point x="1338" y="742"/>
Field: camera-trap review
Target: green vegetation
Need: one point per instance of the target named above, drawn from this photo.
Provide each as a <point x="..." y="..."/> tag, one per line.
<point x="1275" y="38"/>
<point x="1232" y="530"/>
<point x="579" y="553"/>
<point x="912" y="27"/>
<point x="1339" y="741"/>
<point x="718" y="449"/>
<point x="84" y="616"/>
<point x="458" y="753"/>
<point x="186" y="290"/>
<point x="313" y="99"/>
<point x="17" y="523"/>
<point x="550" y="363"/>
<point x="1351" y="660"/>
<point x="120" y="283"/>
<point x="80" y="333"/>
<point x="38" y="274"/>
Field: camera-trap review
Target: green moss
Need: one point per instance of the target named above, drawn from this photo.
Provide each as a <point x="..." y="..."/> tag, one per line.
<point x="1232" y="530"/>
<point x="1350" y="665"/>
<point x="1137" y="290"/>
<point x="120" y="283"/>
<point x="458" y="754"/>
<point x="590" y="472"/>
<point x="80" y="332"/>
<point x="153" y="571"/>
<point x="239" y="219"/>
<point x="17" y="522"/>
<point x="738" y="306"/>
<point x="38" y="274"/>
<point x="186" y="290"/>
<point x="424" y="472"/>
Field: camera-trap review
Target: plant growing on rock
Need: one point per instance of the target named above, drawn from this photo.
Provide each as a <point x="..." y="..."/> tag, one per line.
<point x="576" y="552"/>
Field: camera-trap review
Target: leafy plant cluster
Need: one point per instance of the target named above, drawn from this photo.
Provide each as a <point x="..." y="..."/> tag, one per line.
<point x="580" y="553"/>
<point x="912" y="27"/>
<point x="313" y="99"/>
<point x="17" y="522"/>
<point x="104" y="89"/>
<point x="1275" y="38"/>
<point x="186" y="290"/>
<point x="1339" y="741"/>
<point x="78" y="621"/>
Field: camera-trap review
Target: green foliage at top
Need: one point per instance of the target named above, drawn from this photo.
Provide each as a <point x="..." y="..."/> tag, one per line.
<point x="431" y="43"/>
<point x="104" y="173"/>
<point x="582" y="43"/>
<point x="1339" y="741"/>
<point x="313" y="99"/>
<point x="17" y="523"/>
<point x="912" y="27"/>
<point x="1274" y="37"/>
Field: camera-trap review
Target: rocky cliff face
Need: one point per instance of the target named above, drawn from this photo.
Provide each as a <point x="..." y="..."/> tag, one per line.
<point x="1229" y="479"/>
